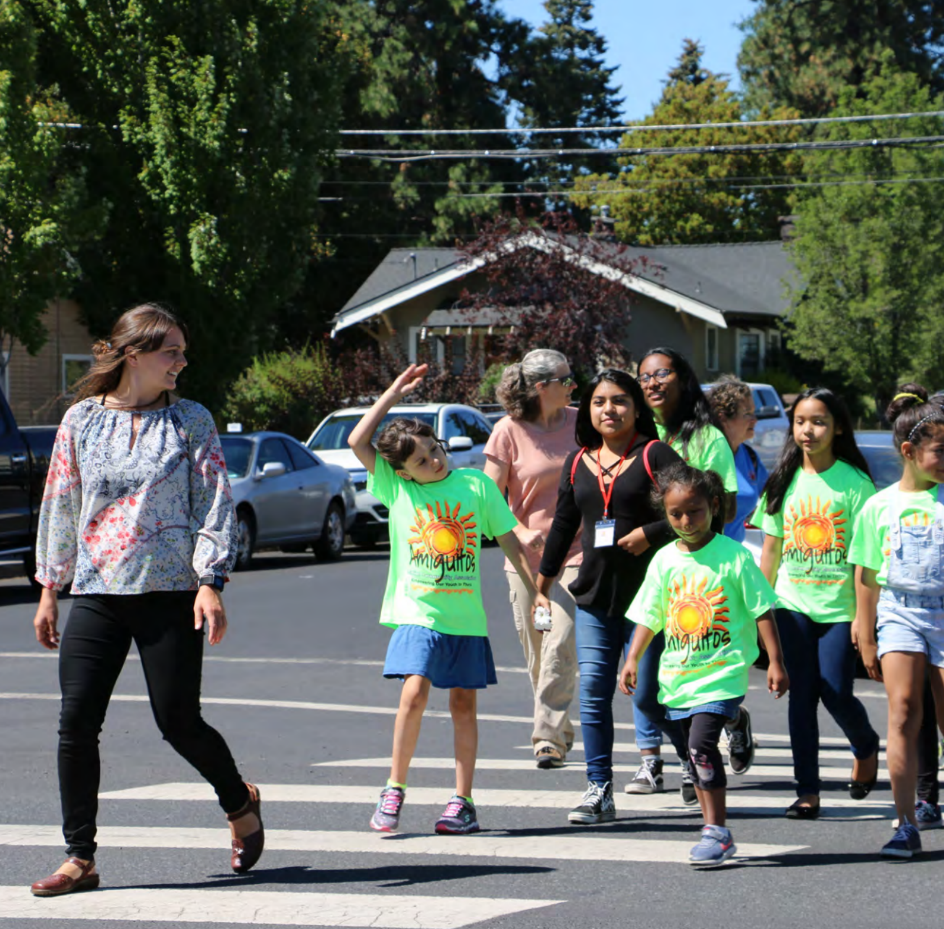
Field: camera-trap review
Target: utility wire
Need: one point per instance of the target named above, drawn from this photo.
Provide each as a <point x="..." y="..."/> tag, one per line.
<point x="409" y="155"/>
<point x="739" y="124"/>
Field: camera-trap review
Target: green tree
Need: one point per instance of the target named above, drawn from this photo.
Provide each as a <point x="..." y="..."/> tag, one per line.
<point x="869" y="251"/>
<point x="801" y="54"/>
<point x="207" y="127"/>
<point x="43" y="209"/>
<point x="561" y="80"/>
<point x="699" y="197"/>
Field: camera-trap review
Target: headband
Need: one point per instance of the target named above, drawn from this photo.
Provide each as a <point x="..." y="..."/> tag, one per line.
<point x="921" y="422"/>
<point x="899" y="396"/>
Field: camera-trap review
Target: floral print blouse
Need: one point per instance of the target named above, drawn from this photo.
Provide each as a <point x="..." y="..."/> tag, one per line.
<point x="123" y="518"/>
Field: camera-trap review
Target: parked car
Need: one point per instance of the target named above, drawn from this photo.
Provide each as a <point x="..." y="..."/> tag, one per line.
<point x="463" y="430"/>
<point x="772" y="423"/>
<point x="884" y="464"/>
<point x="286" y="496"/>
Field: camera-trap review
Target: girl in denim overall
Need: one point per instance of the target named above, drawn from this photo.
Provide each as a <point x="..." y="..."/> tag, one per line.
<point x="899" y="544"/>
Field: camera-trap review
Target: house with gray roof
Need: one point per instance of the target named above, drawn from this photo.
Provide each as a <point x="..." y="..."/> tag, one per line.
<point x="717" y="304"/>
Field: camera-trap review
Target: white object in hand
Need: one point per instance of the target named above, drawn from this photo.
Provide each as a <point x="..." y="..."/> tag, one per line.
<point x="542" y="619"/>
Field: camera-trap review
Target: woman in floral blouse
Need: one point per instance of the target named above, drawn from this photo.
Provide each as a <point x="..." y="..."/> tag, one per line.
<point x="137" y="515"/>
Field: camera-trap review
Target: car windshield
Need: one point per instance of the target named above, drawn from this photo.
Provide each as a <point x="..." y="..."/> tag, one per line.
<point x="884" y="463"/>
<point x="238" y="455"/>
<point x="334" y="433"/>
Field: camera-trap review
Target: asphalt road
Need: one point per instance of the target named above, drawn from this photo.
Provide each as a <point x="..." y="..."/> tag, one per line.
<point x="296" y="690"/>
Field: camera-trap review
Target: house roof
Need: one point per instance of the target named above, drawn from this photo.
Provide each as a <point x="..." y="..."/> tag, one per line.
<point x="707" y="281"/>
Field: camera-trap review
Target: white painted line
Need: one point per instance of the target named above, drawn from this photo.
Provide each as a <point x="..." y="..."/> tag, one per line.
<point x="256" y="907"/>
<point x="356" y="662"/>
<point x="488" y="799"/>
<point x="497" y="845"/>
<point x="304" y="705"/>
<point x="521" y="764"/>
<point x="773" y="752"/>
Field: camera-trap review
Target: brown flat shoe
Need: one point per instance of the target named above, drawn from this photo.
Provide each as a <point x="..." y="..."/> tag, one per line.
<point x="57" y="884"/>
<point x="248" y="849"/>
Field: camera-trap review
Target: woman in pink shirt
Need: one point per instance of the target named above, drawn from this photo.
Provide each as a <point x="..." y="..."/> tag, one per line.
<point x="525" y="454"/>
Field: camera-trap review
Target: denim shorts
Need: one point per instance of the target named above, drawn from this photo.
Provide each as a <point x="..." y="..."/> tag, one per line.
<point x="910" y="622"/>
<point x="726" y="708"/>
<point x="447" y="660"/>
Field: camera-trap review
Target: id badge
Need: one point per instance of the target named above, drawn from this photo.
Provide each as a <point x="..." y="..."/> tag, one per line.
<point x="604" y="533"/>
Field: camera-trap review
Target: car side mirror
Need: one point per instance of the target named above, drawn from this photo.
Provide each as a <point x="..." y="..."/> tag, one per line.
<point x="460" y="443"/>
<point x="272" y="469"/>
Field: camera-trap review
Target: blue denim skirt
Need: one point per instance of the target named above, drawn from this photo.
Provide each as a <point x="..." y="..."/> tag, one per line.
<point x="447" y="660"/>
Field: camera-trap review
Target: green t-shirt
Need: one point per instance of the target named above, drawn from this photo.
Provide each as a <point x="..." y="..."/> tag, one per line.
<point x="871" y="544"/>
<point x="817" y="523"/>
<point x="708" y="603"/>
<point x="708" y="450"/>
<point x="435" y="538"/>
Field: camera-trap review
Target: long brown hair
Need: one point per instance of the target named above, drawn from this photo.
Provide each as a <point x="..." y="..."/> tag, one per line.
<point x="140" y="329"/>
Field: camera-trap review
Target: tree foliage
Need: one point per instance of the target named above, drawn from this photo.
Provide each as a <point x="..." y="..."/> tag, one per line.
<point x="44" y="211"/>
<point x="869" y="251"/>
<point x="699" y="197"/>
<point x="553" y="287"/>
<point x="803" y="55"/>
<point x="562" y="80"/>
<point x="206" y="128"/>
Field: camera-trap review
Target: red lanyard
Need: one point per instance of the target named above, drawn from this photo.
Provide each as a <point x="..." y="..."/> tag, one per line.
<point x="603" y="490"/>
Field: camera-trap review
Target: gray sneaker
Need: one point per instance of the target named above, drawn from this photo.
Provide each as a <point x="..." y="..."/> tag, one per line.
<point x="689" y="797"/>
<point x="596" y="805"/>
<point x="741" y="744"/>
<point x="386" y="817"/>
<point x="648" y="779"/>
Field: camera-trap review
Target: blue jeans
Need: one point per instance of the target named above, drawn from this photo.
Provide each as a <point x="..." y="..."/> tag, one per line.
<point x="601" y="644"/>
<point x="820" y="660"/>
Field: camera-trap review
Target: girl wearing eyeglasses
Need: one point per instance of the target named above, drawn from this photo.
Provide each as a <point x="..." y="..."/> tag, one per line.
<point x="525" y="453"/>
<point x="686" y="421"/>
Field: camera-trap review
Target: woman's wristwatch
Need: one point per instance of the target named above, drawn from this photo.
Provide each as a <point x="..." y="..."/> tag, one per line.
<point x="213" y="580"/>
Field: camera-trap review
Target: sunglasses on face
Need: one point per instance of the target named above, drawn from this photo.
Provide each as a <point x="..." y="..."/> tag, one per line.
<point x="661" y="375"/>
<point x="566" y="381"/>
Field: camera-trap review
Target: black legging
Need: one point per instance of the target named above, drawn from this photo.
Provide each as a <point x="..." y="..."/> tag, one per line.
<point x="928" y="785"/>
<point x="94" y="646"/>
<point x="703" y="732"/>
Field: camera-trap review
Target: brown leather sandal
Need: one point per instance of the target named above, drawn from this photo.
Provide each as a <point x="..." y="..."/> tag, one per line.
<point x="248" y="849"/>
<point x="57" y="884"/>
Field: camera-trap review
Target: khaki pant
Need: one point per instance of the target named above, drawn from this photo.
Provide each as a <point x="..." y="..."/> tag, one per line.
<point x="551" y="658"/>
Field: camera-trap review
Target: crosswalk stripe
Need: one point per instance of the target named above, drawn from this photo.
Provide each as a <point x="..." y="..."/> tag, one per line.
<point x="484" y="845"/>
<point x="254" y="907"/>
<point x="489" y="799"/>
<point x="526" y="764"/>
<point x="762" y="751"/>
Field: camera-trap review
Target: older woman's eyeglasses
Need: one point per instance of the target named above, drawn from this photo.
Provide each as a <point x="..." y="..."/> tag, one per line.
<point x="663" y="374"/>
<point x="566" y="381"/>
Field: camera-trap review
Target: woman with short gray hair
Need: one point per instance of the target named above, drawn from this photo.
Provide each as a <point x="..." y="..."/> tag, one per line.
<point x="525" y="454"/>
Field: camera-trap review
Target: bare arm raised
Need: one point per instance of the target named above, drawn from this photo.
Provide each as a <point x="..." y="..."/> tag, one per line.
<point x="362" y="434"/>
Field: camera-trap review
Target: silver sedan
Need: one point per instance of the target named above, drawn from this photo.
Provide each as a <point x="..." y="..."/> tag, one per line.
<point x="286" y="496"/>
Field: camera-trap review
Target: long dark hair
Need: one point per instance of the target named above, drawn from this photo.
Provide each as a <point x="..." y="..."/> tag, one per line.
<point x="791" y="455"/>
<point x="586" y="435"/>
<point x="912" y="415"/>
<point x="693" y="411"/>
<point x="706" y="483"/>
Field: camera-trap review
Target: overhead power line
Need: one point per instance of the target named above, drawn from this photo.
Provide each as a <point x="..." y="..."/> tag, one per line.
<point x="560" y="130"/>
<point x="409" y="155"/>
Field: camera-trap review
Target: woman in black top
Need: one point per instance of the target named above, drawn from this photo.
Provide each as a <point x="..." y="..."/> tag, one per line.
<point x="605" y="486"/>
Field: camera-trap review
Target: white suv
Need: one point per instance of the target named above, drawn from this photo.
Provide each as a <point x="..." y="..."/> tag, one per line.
<point x="463" y="430"/>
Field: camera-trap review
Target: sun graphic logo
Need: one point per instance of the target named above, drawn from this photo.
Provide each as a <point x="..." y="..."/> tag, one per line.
<point x="814" y="529"/>
<point x="445" y="534"/>
<point x="695" y="612"/>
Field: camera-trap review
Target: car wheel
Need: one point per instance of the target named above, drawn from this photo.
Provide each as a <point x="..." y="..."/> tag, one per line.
<point x="245" y="540"/>
<point x="331" y="544"/>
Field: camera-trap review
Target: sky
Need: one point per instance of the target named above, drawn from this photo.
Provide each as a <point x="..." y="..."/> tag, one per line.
<point x="644" y="38"/>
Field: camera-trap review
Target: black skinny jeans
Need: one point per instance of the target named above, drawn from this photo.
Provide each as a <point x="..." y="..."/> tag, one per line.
<point x="92" y="652"/>
<point x="928" y="785"/>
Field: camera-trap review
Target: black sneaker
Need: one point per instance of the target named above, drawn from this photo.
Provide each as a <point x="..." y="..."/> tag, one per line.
<point x="648" y="779"/>
<point x="596" y="805"/>
<point x="741" y="744"/>
<point x="689" y="797"/>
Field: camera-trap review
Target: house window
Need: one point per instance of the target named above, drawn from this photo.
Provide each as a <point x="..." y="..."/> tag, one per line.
<point x="457" y="349"/>
<point x="74" y="367"/>
<point x="711" y="347"/>
<point x="773" y="342"/>
<point x="750" y="355"/>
